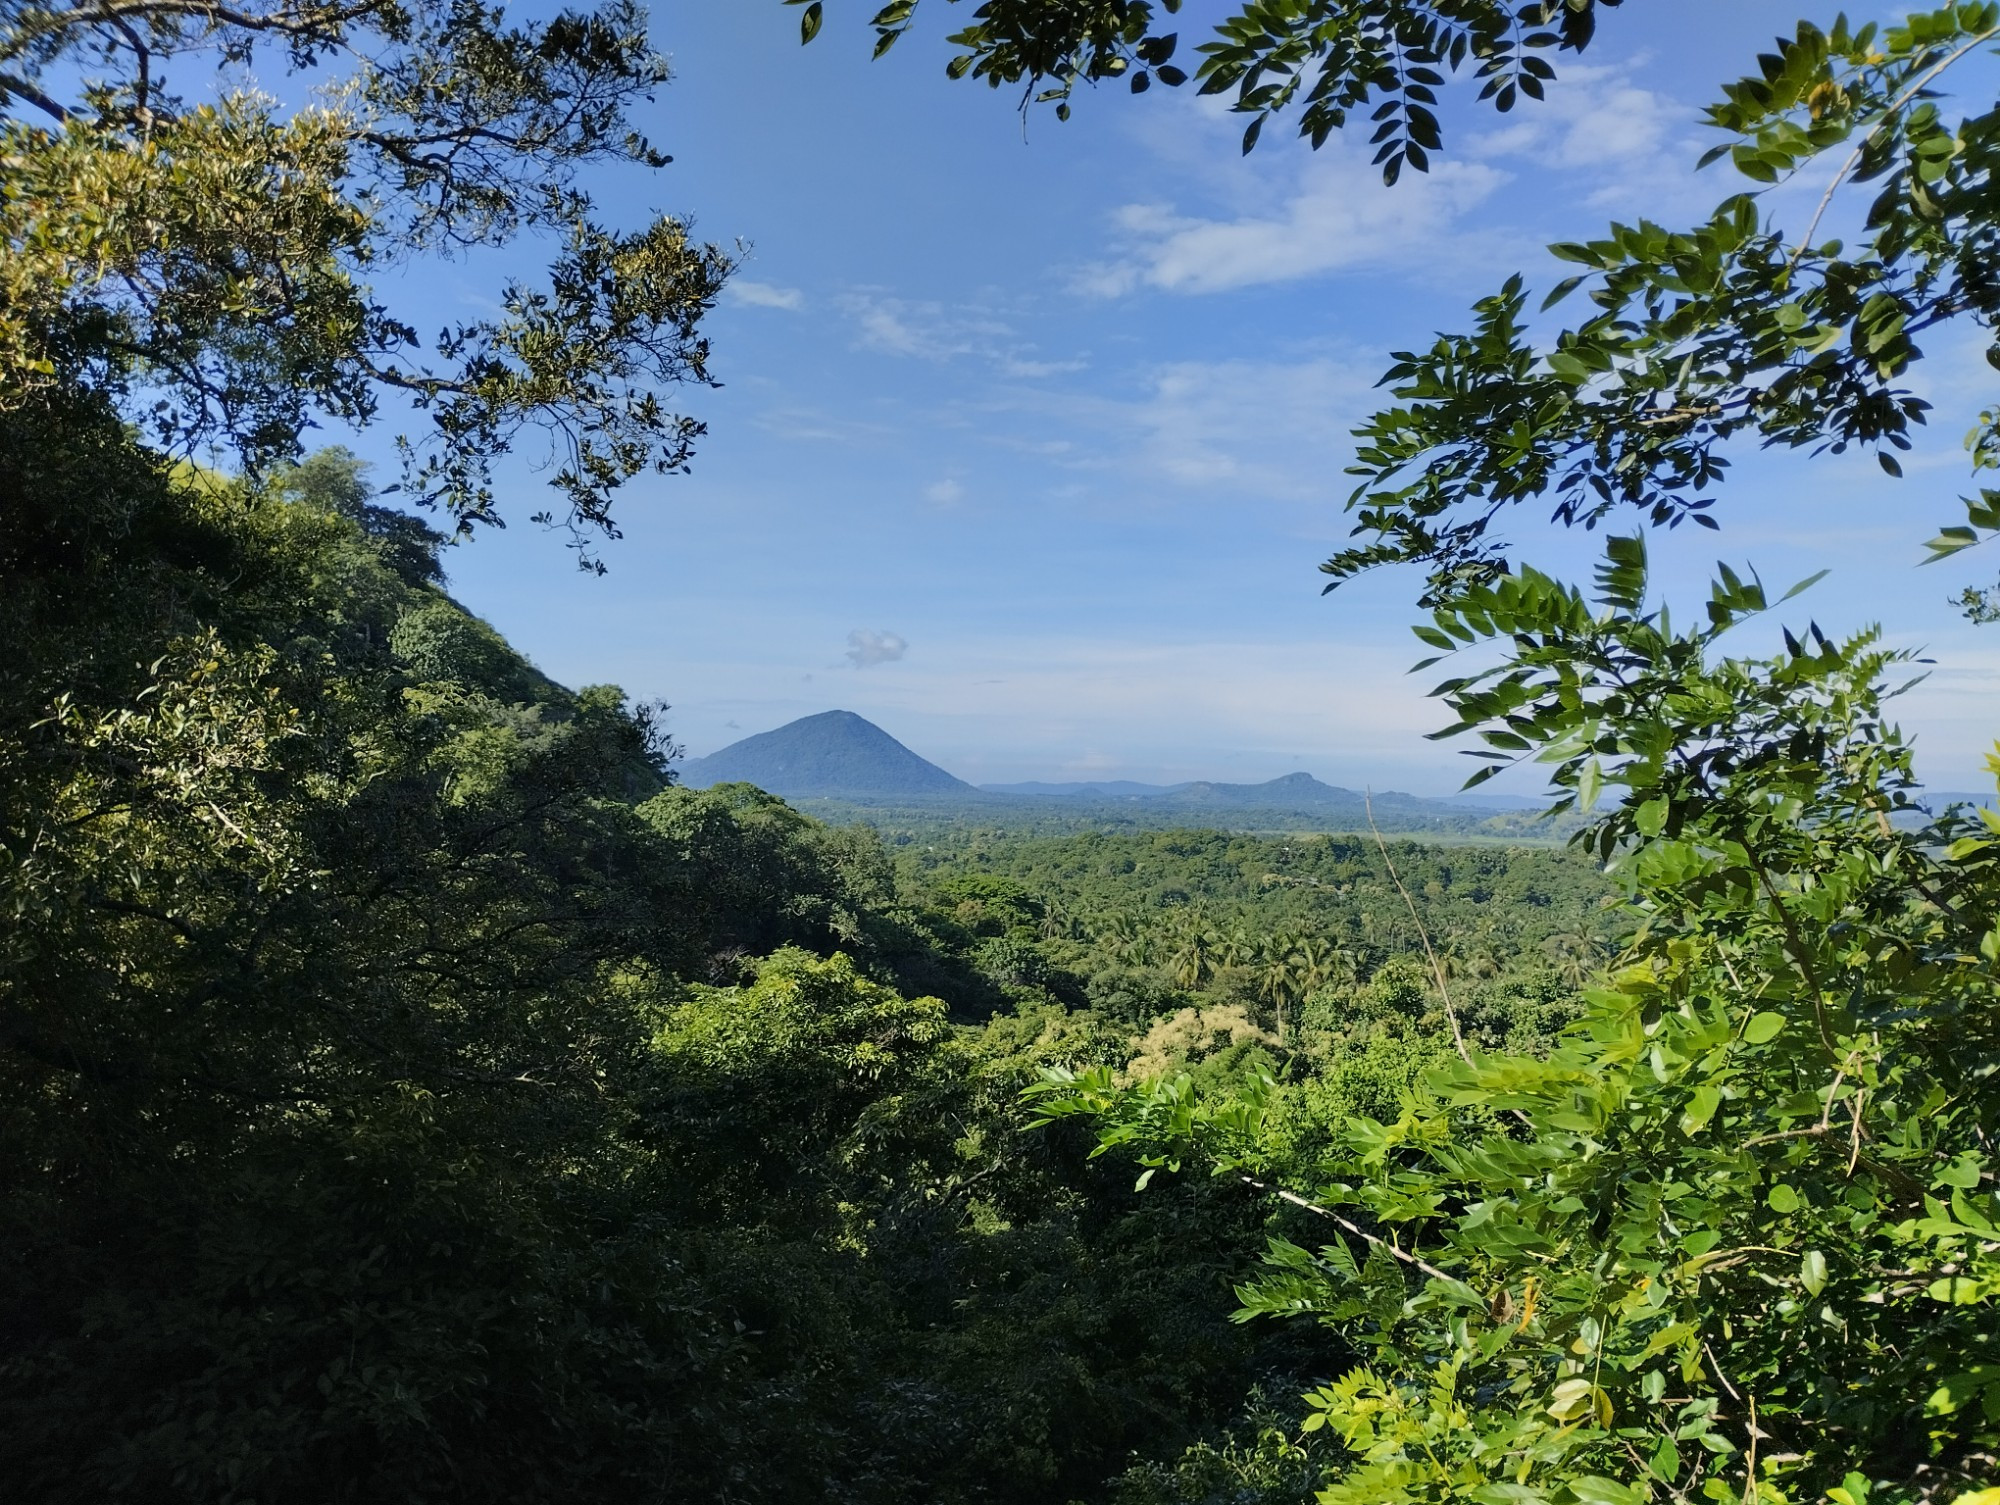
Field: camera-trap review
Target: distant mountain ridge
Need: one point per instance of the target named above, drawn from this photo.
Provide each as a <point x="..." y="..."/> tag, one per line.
<point x="832" y="754"/>
<point x="1292" y="791"/>
<point x="1116" y="789"/>
<point x="1295" y="791"/>
<point x="845" y="759"/>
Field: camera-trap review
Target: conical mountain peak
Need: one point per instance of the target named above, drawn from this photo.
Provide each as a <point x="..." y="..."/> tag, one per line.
<point x="833" y="753"/>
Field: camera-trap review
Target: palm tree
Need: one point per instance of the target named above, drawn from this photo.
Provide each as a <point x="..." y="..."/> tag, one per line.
<point x="1234" y="948"/>
<point x="1327" y="963"/>
<point x="1575" y="954"/>
<point x="1281" y="969"/>
<point x="1195" y="947"/>
<point x="1190" y="961"/>
<point x="1476" y="952"/>
<point x="1318" y="962"/>
<point x="1058" y="924"/>
<point x="1119" y="937"/>
<point x="1194" y="956"/>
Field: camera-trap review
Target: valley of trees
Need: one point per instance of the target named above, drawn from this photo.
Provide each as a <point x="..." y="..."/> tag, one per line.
<point x="408" y="1092"/>
<point x="976" y="818"/>
<point x="411" y="1092"/>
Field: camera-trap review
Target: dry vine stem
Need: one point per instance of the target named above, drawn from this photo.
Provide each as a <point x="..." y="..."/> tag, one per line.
<point x="1437" y="968"/>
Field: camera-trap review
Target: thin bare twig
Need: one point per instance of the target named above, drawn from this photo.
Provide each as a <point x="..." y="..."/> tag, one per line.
<point x="1359" y="1232"/>
<point x="1714" y="1364"/>
<point x="1854" y="156"/>
<point x="1751" y="1493"/>
<point x="1854" y="1107"/>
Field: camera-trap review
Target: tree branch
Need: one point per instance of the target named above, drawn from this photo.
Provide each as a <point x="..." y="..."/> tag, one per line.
<point x="21" y="89"/>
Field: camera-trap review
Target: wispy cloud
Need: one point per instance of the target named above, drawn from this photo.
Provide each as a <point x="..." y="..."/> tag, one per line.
<point x="1271" y="424"/>
<point x="1622" y="144"/>
<point x="764" y="295"/>
<point x="945" y="492"/>
<point x="866" y="648"/>
<point x="932" y="331"/>
<point x="1326" y="212"/>
<point x="1274" y="429"/>
<point x="1599" y="117"/>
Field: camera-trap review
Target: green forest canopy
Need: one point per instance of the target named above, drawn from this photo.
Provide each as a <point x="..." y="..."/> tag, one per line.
<point x="410" y="1092"/>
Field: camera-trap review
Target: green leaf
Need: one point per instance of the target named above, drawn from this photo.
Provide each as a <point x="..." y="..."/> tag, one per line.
<point x="1700" y="1109"/>
<point x="1962" y="1172"/>
<point x="809" y="22"/>
<point x="1589" y="783"/>
<point x="1812" y="1271"/>
<point x="1562" y="290"/>
<point x="1763" y="1028"/>
<point x="1571" y="1399"/>
<point x="1666" y="1460"/>
<point x="1950" y="541"/>
<point x="1804" y="585"/>
<point x="1958" y="1290"/>
<point x="1595" y="1489"/>
<point x="1503" y="1492"/>
<point x="1783" y="1199"/>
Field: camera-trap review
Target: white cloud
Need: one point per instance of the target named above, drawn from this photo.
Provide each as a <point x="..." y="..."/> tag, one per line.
<point x="865" y="648"/>
<point x="1335" y="215"/>
<point x="932" y="331"/>
<point x="1595" y="117"/>
<point x="1034" y="370"/>
<point x="1263" y="429"/>
<point x="1640" y="145"/>
<point x="795" y="421"/>
<point x="945" y="492"/>
<point x="764" y="295"/>
<point x="1221" y="421"/>
<point x="924" y="330"/>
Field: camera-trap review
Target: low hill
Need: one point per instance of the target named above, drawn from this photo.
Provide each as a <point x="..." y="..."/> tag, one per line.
<point x="1116" y="789"/>
<point x="1292" y="791"/>
<point x="833" y="754"/>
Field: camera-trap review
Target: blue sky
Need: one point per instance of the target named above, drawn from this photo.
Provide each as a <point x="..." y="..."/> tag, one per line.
<point x="1032" y="436"/>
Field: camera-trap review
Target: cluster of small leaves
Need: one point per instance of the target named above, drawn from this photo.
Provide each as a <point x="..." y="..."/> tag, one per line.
<point x="1737" y="1237"/>
<point x="204" y="266"/>
<point x="1168" y="1122"/>
<point x="1328" y="59"/>
<point x="1731" y="328"/>
<point x="622" y="312"/>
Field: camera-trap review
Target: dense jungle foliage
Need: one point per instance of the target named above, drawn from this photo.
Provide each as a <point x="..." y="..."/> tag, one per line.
<point x="410" y="1091"/>
<point x="407" y="1091"/>
<point x="980" y="818"/>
